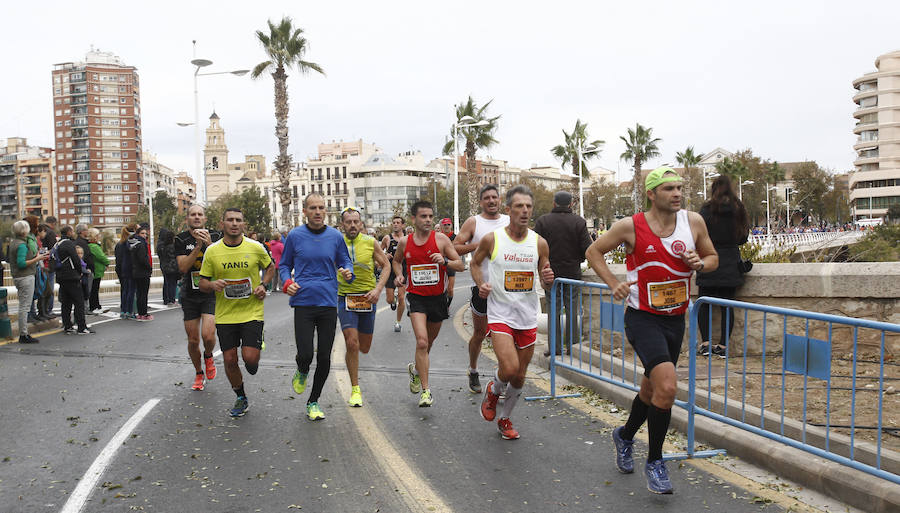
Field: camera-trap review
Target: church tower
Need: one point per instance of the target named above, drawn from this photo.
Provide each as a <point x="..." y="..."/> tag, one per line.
<point x="215" y="160"/>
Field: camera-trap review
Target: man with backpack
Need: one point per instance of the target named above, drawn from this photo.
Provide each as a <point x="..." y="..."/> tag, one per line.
<point x="68" y="275"/>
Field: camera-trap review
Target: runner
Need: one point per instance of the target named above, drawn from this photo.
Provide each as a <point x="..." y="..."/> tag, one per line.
<point x="315" y="253"/>
<point x="447" y="229"/>
<point x="357" y="300"/>
<point x="514" y="255"/>
<point x="661" y="247"/>
<point x="230" y="268"/>
<point x="389" y="245"/>
<point x="467" y="240"/>
<point x="198" y="308"/>
<point x="427" y="254"/>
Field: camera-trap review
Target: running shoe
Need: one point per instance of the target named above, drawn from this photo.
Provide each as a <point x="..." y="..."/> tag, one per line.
<point x="355" y="397"/>
<point x="507" y="431"/>
<point x="299" y="382"/>
<point x="489" y="403"/>
<point x="240" y="407"/>
<point x="70" y="330"/>
<point x="86" y="331"/>
<point x="198" y="382"/>
<point x="624" y="452"/>
<point x="396" y="327"/>
<point x="474" y="383"/>
<point x="703" y="350"/>
<point x="394" y="306"/>
<point x="425" y="400"/>
<point x="210" y="368"/>
<point x="719" y="351"/>
<point x="658" y="477"/>
<point x="123" y="315"/>
<point x="27" y="339"/>
<point x="314" y="412"/>
<point x="415" y="384"/>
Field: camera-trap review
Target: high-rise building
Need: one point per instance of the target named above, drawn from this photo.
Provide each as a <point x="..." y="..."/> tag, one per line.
<point x="875" y="185"/>
<point x="26" y="175"/>
<point x="97" y="117"/>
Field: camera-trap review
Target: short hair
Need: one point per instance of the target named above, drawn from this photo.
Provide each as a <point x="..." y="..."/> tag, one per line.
<point x="488" y="187"/>
<point x="50" y="220"/>
<point x="414" y="209"/>
<point x="196" y="205"/>
<point x="518" y="189"/>
<point x="80" y="227"/>
<point x="232" y="209"/>
<point x="350" y="210"/>
<point x="310" y="195"/>
<point x="66" y="231"/>
<point x="93" y="233"/>
<point x="20" y="229"/>
<point x="401" y="218"/>
<point x="43" y="227"/>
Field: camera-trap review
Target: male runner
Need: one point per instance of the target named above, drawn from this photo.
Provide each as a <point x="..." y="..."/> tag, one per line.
<point x="467" y="240"/>
<point x="661" y="247"/>
<point x="315" y="253"/>
<point x="389" y="245"/>
<point x="231" y="270"/>
<point x="357" y="300"/>
<point x="447" y="229"/>
<point x="514" y="255"/>
<point x="427" y="255"/>
<point x="198" y="307"/>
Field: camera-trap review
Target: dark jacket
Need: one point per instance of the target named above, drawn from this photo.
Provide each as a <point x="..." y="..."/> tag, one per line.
<point x="49" y="239"/>
<point x="721" y="228"/>
<point x="167" y="262"/>
<point x="70" y="269"/>
<point x="88" y="256"/>
<point x="140" y="257"/>
<point x="123" y="261"/>
<point x="568" y="238"/>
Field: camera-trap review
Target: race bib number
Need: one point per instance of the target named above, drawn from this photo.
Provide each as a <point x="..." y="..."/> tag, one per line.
<point x="424" y="274"/>
<point x="357" y="303"/>
<point x="518" y="281"/>
<point x="195" y="280"/>
<point x="667" y="295"/>
<point x="238" y="289"/>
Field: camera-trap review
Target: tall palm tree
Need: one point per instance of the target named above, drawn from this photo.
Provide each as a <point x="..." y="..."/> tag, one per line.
<point x="640" y="146"/>
<point x="285" y="46"/>
<point x="568" y="153"/>
<point x="477" y="137"/>
<point x="687" y="159"/>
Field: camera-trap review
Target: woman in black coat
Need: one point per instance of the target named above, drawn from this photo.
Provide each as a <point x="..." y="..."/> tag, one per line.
<point x="726" y="221"/>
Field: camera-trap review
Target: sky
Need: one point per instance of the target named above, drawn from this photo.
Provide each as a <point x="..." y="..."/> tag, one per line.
<point x="772" y="76"/>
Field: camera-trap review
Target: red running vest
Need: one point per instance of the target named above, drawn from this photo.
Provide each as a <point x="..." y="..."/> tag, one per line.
<point x="423" y="276"/>
<point x="663" y="279"/>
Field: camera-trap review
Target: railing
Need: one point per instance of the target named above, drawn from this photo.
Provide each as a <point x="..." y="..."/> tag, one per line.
<point x="788" y="240"/>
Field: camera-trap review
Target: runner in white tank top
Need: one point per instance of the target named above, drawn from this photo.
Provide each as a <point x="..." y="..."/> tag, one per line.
<point x="470" y="235"/>
<point x="518" y="260"/>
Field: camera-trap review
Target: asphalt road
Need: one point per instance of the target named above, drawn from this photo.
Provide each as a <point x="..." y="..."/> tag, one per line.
<point x="66" y="398"/>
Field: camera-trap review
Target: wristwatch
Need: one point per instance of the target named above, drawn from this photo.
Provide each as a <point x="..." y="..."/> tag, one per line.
<point x="446" y="262"/>
<point x="702" y="265"/>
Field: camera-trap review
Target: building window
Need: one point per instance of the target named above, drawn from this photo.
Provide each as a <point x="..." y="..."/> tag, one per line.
<point x="329" y="191"/>
<point x="303" y="188"/>
<point x="345" y="172"/>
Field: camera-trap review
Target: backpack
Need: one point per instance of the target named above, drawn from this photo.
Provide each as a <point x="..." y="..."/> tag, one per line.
<point x="55" y="262"/>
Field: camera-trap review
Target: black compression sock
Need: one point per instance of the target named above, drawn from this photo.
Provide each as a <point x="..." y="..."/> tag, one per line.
<point x="251" y="368"/>
<point x="635" y="419"/>
<point x="207" y="355"/>
<point x="239" y="391"/>
<point x="657" y="424"/>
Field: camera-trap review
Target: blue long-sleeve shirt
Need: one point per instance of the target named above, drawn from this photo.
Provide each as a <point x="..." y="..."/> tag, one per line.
<point x="314" y="259"/>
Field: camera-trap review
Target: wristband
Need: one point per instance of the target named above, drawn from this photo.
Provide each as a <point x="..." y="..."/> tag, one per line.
<point x="287" y="284"/>
<point x="446" y="262"/>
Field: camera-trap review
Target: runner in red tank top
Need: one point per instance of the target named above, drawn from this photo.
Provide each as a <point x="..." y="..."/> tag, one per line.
<point x="660" y="246"/>
<point x="427" y="255"/>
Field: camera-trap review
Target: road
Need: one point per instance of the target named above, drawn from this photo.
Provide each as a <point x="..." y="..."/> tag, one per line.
<point x="66" y="398"/>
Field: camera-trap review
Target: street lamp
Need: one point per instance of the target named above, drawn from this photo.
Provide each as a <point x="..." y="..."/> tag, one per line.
<point x="705" y="176"/>
<point x="741" y="185"/>
<point x="464" y="122"/>
<point x="587" y="150"/>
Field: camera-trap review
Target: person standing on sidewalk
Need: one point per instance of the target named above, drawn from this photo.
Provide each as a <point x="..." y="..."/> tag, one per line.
<point x="467" y="240"/>
<point x="276" y="248"/>
<point x="141" y="270"/>
<point x="123" y="271"/>
<point x="81" y="231"/>
<point x="518" y="259"/>
<point x="567" y="235"/>
<point x="663" y="247"/>
<point x="101" y="262"/>
<point x="168" y="265"/>
<point x="23" y="258"/>
<point x="314" y="254"/>
<point x="68" y="275"/>
<point x="396" y="296"/>
<point x="50" y="239"/>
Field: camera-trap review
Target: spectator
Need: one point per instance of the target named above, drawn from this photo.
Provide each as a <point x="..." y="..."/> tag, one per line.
<point x="568" y="238"/>
<point x="81" y="231"/>
<point x="23" y="255"/>
<point x="726" y="221"/>
<point x="40" y="274"/>
<point x="101" y="262"/>
<point x="123" y="271"/>
<point x="44" y="292"/>
<point x="165" y="250"/>
<point x="141" y="269"/>
<point x="49" y="240"/>
<point x="69" y="278"/>
<point x="276" y="247"/>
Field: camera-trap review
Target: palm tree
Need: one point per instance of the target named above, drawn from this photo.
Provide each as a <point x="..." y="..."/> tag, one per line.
<point x="639" y="147"/>
<point x="687" y="159"/>
<point x="477" y="137"/>
<point x="285" y="46"/>
<point x="568" y="152"/>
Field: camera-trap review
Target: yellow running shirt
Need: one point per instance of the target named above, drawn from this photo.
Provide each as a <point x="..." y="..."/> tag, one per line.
<point x="239" y="266"/>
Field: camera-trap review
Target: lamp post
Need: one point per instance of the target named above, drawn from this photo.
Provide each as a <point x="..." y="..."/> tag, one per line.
<point x="464" y="122"/>
<point x="741" y="185"/>
<point x="705" y="176"/>
<point x="582" y="151"/>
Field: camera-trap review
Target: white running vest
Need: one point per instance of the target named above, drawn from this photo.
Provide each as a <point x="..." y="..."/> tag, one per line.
<point x="514" y="281"/>
<point x="483" y="227"/>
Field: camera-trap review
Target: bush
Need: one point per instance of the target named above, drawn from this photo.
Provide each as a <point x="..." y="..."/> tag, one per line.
<point x="779" y="255"/>
<point x="879" y="245"/>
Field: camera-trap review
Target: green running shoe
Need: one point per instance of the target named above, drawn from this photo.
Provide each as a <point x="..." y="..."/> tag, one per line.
<point x="314" y="412"/>
<point x="425" y="399"/>
<point x="355" y="397"/>
<point x="299" y="382"/>
<point x="240" y="407"/>
<point x="415" y="384"/>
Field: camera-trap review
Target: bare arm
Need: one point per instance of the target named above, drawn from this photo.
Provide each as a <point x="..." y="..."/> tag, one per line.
<point x="485" y="248"/>
<point x="448" y="250"/>
<point x="211" y="286"/>
<point x="707" y="259"/>
<point x="463" y="242"/>
<point x="546" y="272"/>
<point x="186" y="262"/>
<point x="381" y="258"/>
<point x="620" y="232"/>
<point x="395" y="264"/>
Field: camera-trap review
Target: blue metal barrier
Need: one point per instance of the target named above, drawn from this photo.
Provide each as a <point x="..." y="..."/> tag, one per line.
<point x="802" y="355"/>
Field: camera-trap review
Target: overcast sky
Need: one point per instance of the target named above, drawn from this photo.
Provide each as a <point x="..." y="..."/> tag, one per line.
<point x="772" y="76"/>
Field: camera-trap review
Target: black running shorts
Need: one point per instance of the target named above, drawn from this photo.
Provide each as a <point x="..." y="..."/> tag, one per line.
<point x="655" y="338"/>
<point x="248" y="334"/>
<point x="479" y="304"/>
<point x="434" y="307"/>
<point x="193" y="305"/>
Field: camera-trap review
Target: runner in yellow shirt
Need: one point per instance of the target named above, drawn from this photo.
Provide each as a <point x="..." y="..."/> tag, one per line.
<point x="231" y="269"/>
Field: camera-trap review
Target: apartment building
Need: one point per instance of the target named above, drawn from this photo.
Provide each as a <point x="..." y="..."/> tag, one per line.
<point x="185" y="191"/>
<point x="26" y="178"/>
<point x="158" y="175"/>
<point x="384" y="183"/>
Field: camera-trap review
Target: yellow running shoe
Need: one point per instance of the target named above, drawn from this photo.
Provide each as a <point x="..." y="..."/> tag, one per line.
<point x="314" y="412"/>
<point x="355" y="397"/>
<point x="415" y="384"/>
<point x="425" y="399"/>
<point x="299" y="382"/>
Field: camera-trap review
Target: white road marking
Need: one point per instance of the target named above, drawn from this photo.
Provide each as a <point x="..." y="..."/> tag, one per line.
<point x="87" y="483"/>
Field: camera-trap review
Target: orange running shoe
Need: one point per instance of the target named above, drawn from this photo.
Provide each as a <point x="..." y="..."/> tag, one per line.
<point x="507" y="432"/>
<point x="198" y="382"/>
<point x="210" y="368"/>
<point x="489" y="403"/>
